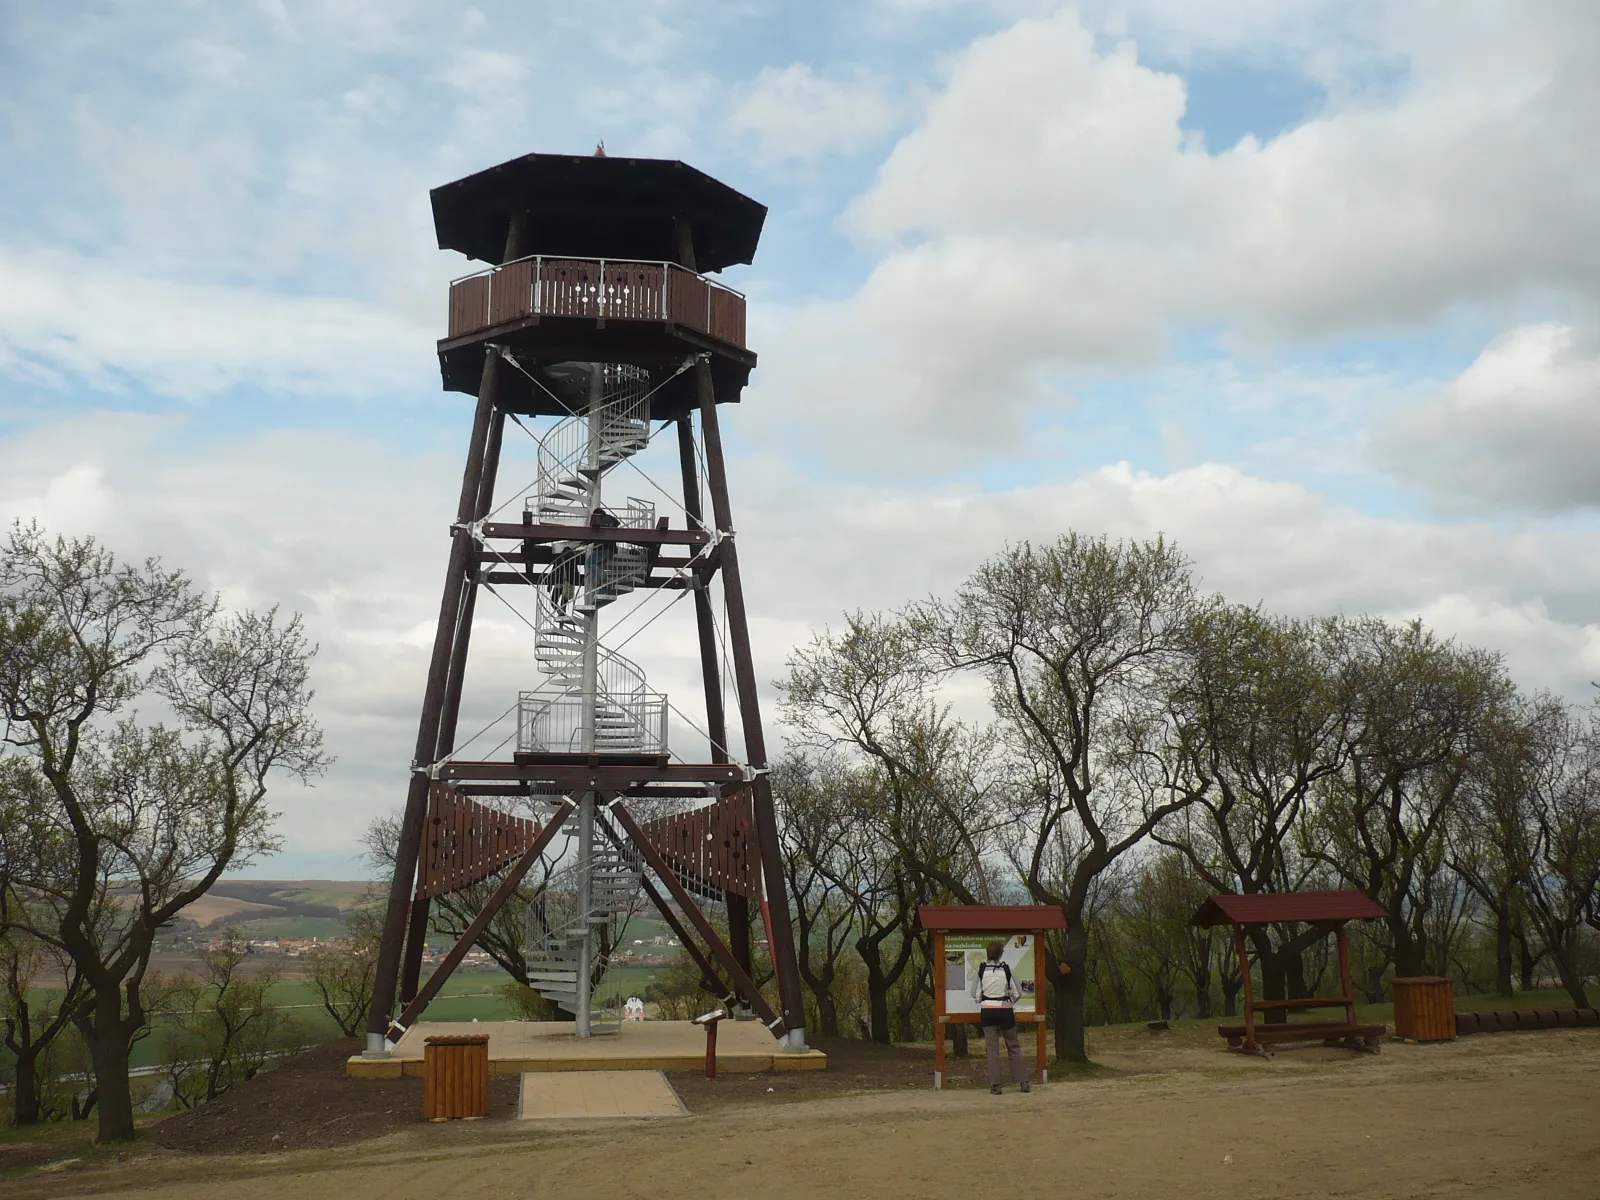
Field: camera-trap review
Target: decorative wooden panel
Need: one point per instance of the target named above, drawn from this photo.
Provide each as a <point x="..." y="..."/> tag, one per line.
<point x="714" y="848"/>
<point x="469" y="305"/>
<point x="635" y="291"/>
<point x="511" y="293"/>
<point x="726" y="316"/>
<point x="686" y="300"/>
<point x="464" y="841"/>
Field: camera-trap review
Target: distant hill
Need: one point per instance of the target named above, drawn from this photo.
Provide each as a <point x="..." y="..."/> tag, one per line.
<point x="247" y="901"/>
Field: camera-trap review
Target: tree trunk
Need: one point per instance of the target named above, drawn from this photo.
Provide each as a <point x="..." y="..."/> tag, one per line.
<point x="1273" y="986"/>
<point x="958" y="1039"/>
<point x="1164" y="1000"/>
<point x="1502" y="947"/>
<point x="25" y="1100"/>
<point x="827" y="1013"/>
<point x="110" y="1038"/>
<point x="1527" y="962"/>
<point x="1071" y="1045"/>
<point x="1567" y="969"/>
<point x="1230" y="995"/>
<point x="1374" y="988"/>
<point x="1408" y="955"/>
<point x="877" y="991"/>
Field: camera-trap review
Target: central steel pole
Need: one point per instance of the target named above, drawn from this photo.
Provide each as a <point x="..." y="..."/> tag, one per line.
<point x="590" y="694"/>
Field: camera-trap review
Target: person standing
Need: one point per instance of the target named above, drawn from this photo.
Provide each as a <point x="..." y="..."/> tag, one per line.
<point x="996" y="994"/>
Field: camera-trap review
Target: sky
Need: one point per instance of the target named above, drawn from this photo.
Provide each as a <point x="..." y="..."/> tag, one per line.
<point x="1312" y="289"/>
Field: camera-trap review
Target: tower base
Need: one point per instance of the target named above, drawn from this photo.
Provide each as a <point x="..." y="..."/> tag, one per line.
<point x="519" y="1046"/>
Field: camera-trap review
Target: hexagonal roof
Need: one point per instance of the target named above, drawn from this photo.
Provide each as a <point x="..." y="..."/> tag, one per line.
<point x="598" y="208"/>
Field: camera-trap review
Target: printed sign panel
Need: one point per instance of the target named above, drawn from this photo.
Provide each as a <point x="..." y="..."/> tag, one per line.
<point x="963" y="952"/>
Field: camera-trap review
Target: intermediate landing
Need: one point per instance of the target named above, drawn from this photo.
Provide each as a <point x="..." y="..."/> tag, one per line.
<point x="516" y="1047"/>
<point x="568" y="1095"/>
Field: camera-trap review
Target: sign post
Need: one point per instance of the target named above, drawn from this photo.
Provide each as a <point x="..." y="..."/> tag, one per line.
<point x="961" y="937"/>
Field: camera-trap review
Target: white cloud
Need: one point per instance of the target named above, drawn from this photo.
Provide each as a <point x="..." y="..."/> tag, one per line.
<point x="794" y="113"/>
<point x="1520" y="426"/>
<point x="319" y="523"/>
<point x="82" y="317"/>
<point x="1049" y="214"/>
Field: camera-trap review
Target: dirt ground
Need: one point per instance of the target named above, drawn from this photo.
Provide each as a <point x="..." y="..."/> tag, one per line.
<point x="1172" y="1114"/>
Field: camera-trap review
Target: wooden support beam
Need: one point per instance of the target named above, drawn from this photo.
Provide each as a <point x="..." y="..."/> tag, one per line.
<point x="386" y="972"/>
<point x="1249" y="991"/>
<point x="496" y="902"/>
<point x="685" y="940"/>
<point x="495" y="530"/>
<point x="791" y="996"/>
<point x="743" y="984"/>
<point x="585" y="778"/>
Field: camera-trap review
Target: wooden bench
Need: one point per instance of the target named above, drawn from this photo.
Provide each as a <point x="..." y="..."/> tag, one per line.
<point x="1333" y="1033"/>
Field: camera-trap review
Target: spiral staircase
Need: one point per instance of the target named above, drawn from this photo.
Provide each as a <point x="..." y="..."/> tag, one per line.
<point x="593" y="701"/>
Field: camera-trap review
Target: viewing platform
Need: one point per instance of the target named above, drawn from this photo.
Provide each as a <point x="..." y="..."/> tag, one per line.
<point x="654" y="313"/>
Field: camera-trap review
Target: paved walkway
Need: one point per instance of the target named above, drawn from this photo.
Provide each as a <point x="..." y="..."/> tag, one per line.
<point x="555" y="1095"/>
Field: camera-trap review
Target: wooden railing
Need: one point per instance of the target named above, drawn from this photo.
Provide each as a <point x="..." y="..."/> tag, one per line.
<point x="596" y="287"/>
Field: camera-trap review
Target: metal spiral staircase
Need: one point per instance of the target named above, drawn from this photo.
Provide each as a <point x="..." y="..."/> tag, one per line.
<point x="556" y="927"/>
<point x="594" y="702"/>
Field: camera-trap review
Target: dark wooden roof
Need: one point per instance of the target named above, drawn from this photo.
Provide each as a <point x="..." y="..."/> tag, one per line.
<point x="1268" y="907"/>
<point x="991" y="918"/>
<point x="584" y="207"/>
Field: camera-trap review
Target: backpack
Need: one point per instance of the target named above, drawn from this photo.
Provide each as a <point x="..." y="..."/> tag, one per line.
<point x="986" y="965"/>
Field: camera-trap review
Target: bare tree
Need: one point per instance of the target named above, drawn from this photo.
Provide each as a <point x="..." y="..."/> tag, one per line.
<point x="35" y="1010"/>
<point x="1488" y="832"/>
<point x="142" y="816"/>
<point x="814" y="811"/>
<point x="922" y="817"/>
<point x="1073" y="637"/>
<point x="1563" y="809"/>
<point x="1165" y="947"/>
<point x="225" y="1027"/>
<point x="1420" y="705"/>
<point x="1264" y="721"/>
<point x="341" y="973"/>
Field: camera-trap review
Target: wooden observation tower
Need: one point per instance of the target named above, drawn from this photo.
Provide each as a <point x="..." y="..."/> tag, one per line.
<point x="595" y="329"/>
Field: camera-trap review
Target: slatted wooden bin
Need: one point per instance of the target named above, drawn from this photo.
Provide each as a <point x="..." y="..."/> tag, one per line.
<point x="1425" y="1008"/>
<point x="455" y="1078"/>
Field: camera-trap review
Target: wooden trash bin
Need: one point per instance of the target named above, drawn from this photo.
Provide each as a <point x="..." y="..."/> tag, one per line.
<point x="455" y="1074"/>
<point x="1425" y="1008"/>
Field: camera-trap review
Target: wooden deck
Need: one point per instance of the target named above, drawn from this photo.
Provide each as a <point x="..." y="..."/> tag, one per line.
<point x="516" y="1047"/>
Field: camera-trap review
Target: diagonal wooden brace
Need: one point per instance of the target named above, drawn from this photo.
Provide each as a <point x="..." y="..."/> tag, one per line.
<point x="496" y="902"/>
<point x="707" y="970"/>
<point x="743" y="984"/>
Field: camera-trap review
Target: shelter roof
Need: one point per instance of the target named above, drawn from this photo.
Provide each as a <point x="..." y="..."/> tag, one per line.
<point x="583" y="207"/>
<point x="1267" y="907"/>
<point x="991" y="918"/>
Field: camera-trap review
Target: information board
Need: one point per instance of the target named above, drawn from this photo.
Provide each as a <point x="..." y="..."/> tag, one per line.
<point x="964" y="952"/>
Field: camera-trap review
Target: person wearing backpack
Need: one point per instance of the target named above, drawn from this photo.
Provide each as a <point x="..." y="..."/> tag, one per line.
<point x="996" y="994"/>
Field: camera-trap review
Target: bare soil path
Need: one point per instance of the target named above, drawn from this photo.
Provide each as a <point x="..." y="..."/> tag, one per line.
<point x="1172" y="1115"/>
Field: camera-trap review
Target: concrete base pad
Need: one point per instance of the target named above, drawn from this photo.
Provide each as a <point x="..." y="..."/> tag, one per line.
<point x="565" y="1095"/>
<point x="516" y="1047"/>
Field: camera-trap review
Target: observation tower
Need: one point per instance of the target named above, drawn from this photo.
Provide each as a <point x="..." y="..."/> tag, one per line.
<point x="596" y="329"/>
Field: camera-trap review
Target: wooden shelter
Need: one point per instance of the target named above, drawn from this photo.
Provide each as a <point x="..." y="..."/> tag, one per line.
<point x="1328" y="911"/>
<point x="960" y="931"/>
